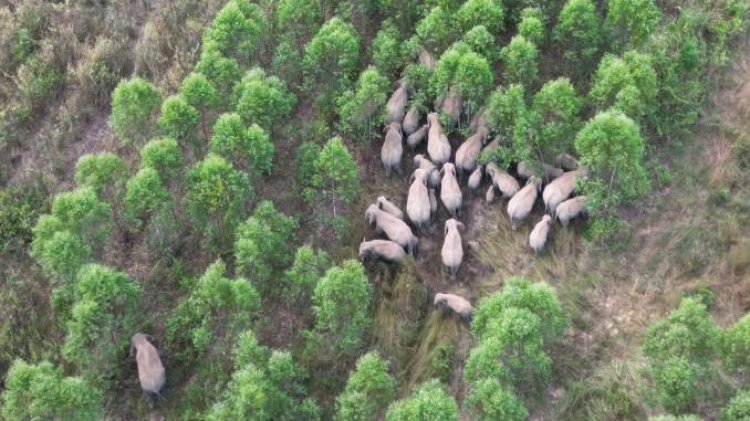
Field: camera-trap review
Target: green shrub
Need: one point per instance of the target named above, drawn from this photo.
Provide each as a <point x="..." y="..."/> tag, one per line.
<point x="262" y="100"/>
<point x="386" y="50"/>
<point x="164" y="156"/>
<point x="556" y="108"/>
<point x="237" y="31"/>
<point x="179" y="120"/>
<point x="688" y="332"/>
<point x="466" y="73"/>
<point x="628" y="84"/>
<point x="308" y="267"/>
<point x="249" y="149"/>
<point x="368" y="390"/>
<point x="299" y="19"/>
<point x="435" y="31"/>
<point x="738" y="408"/>
<point x="481" y="41"/>
<point x="305" y="158"/>
<point x="263" y="245"/>
<point x="41" y="392"/>
<point x="735" y="346"/>
<point x="521" y="62"/>
<point x="104" y="172"/>
<point x="485" y="361"/>
<point x="145" y="195"/>
<point x="488" y="13"/>
<point x="630" y="22"/>
<point x="675" y="384"/>
<point x="20" y="208"/>
<point x="223" y="72"/>
<point x="578" y="31"/>
<point x="531" y="26"/>
<point x="429" y="402"/>
<point x="134" y="105"/>
<point x="494" y="402"/>
<point x="362" y="109"/>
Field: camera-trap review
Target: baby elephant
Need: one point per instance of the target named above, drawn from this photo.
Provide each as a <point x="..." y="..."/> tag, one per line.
<point x="458" y="304"/>
<point x="150" y="369"/>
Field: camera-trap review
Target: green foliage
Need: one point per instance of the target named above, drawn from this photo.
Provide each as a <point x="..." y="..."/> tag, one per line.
<point x="41" y="392"/>
<point x="306" y="158"/>
<point x="134" y="105"/>
<point x="263" y="244"/>
<point x="199" y="92"/>
<point x="263" y="100"/>
<point x="435" y="31"/>
<point x="342" y="303"/>
<point x="675" y="382"/>
<point x="216" y="196"/>
<point x="429" y="402"/>
<point x="103" y="316"/>
<point x="145" y="195"/>
<point x="481" y="41"/>
<point x="217" y="310"/>
<point x="270" y="390"/>
<point x="578" y="31"/>
<point x="485" y="361"/>
<point x="468" y="73"/>
<point x="334" y="181"/>
<point x="368" y="391"/>
<point x="179" y="120"/>
<point x="330" y="62"/>
<point x="521" y="60"/>
<point x="298" y="19"/>
<point x="249" y="149"/>
<point x="738" y="408"/>
<point x="223" y="72"/>
<point x="63" y="240"/>
<point x="481" y="12"/>
<point x="735" y="346"/>
<point x="539" y="298"/>
<point x="287" y="63"/>
<point x="247" y="351"/>
<point x="359" y="110"/>
<point x="308" y="267"/>
<point x="531" y="26"/>
<point x="629" y="84"/>
<point x="505" y="107"/>
<point x="494" y="402"/>
<point x="386" y="50"/>
<point x="630" y="22"/>
<point x="20" y="208"/>
<point x="237" y="31"/>
<point x="557" y="107"/>
<point x="611" y="145"/>
<point x="104" y="173"/>
<point x="164" y="156"/>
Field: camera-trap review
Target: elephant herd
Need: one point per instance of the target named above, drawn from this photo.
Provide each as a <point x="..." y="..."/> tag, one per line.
<point x="436" y="176"/>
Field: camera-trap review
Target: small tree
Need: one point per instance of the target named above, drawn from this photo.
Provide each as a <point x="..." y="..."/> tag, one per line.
<point x="145" y="195"/>
<point x="629" y="84"/>
<point x="309" y="266"/>
<point x="531" y="26"/>
<point x="298" y="19"/>
<point x="735" y="346"/>
<point x="342" y="305"/>
<point x="579" y="31"/>
<point x="223" y="72"/>
<point x="164" y="156"/>
<point x="521" y="61"/>
<point x="262" y="100"/>
<point x="102" y="318"/>
<point x="306" y="158"/>
<point x="485" y="361"/>
<point x="610" y="144"/>
<point x="492" y="401"/>
<point x="368" y="391"/>
<point x="179" y="120"/>
<point x="330" y="62"/>
<point x="217" y="311"/>
<point x="359" y="110"/>
<point x="201" y="94"/>
<point x="738" y="407"/>
<point x="134" y="106"/>
<point x="630" y="22"/>
<point x="481" y="12"/>
<point x="687" y="332"/>
<point x="41" y="392"/>
<point x="482" y="42"/>
<point x="675" y="384"/>
<point x="58" y="250"/>
<point x="468" y="73"/>
<point x="386" y="50"/>
<point x="237" y="31"/>
<point x="249" y="149"/>
<point x="334" y="182"/>
<point x="429" y="402"/>
<point x="263" y="244"/>
<point x="216" y="197"/>
<point x="435" y="31"/>
<point x="557" y="107"/>
<point x="105" y="173"/>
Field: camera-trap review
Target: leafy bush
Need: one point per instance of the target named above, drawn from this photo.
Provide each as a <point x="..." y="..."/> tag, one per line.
<point x="531" y="26"/>
<point x="262" y="100"/>
<point x="521" y="61"/>
<point x="494" y="402"/>
<point x="237" y="31"/>
<point x="105" y="173"/>
<point x="361" y="109"/>
<point x="164" y="156"/>
<point x="263" y="245"/>
<point x="199" y="92"/>
<point x="41" y="392"/>
<point x="629" y="84"/>
<point x="429" y="402"/>
<point x="368" y="391"/>
<point x="386" y="50"/>
<point x="738" y="408"/>
<point x="556" y="108"/>
<point x="735" y="345"/>
<point x="481" y="12"/>
<point x="145" y="195"/>
<point x="485" y="361"/>
<point x="179" y="120"/>
<point x="675" y="382"/>
<point x="481" y="41"/>
<point x="249" y="149"/>
<point x="299" y="19"/>
<point x="308" y="267"/>
<point x="630" y="22"/>
<point x="466" y="72"/>
<point x="578" y="30"/>
<point x="223" y="72"/>
<point x="342" y="303"/>
<point x="435" y="31"/>
<point x="306" y="158"/>
<point x="103" y="316"/>
<point x="134" y="105"/>
<point x="216" y="197"/>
